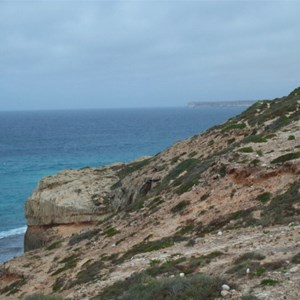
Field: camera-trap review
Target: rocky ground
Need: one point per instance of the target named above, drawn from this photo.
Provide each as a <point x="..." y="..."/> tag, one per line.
<point x="221" y="208"/>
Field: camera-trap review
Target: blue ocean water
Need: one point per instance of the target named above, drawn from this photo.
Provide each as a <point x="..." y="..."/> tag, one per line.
<point x="34" y="144"/>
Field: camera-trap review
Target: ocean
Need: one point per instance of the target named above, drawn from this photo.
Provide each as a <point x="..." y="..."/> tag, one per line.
<point x="34" y="144"/>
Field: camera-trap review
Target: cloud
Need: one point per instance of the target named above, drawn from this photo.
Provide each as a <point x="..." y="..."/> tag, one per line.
<point x="65" y="54"/>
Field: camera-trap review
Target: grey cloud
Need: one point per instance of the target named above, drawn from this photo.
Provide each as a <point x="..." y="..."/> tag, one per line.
<point x="145" y="53"/>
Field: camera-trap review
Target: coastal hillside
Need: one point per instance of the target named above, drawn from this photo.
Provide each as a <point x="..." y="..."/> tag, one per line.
<point x="215" y="216"/>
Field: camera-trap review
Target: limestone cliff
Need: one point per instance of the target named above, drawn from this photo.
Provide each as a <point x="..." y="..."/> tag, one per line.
<point x="70" y="197"/>
<point x="224" y="203"/>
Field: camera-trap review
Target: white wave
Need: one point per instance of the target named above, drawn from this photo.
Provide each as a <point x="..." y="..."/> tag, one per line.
<point x="11" y="232"/>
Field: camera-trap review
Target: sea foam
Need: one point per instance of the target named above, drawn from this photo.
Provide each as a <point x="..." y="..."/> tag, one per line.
<point x="11" y="232"/>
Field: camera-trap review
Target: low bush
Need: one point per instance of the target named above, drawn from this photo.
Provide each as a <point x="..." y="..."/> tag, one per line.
<point x="246" y="150"/>
<point x="54" y="245"/>
<point x="141" y="286"/>
<point x="87" y="235"/>
<point x="88" y="273"/>
<point x="233" y="127"/>
<point x="180" y="168"/>
<point x="269" y="282"/>
<point x="111" y="231"/>
<point x="286" y="157"/>
<point x="281" y="209"/>
<point x="58" y="284"/>
<point x="43" y="297"/>
<point x="249" y="256"/>
<point x="69" y="263"/>
<point x="247" y="260"/>
<point x="13" y="288"/>
<point x="132" y="167"/>
<point x="147" y="246"/>
<point x="264" y="197"/>
<point x="254" y="139"/>
<point x="204" y="197"/>
<point x="180" y="206"/>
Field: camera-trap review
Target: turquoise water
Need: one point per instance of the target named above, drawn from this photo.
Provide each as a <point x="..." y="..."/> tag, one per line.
<point x="40" y="143"/>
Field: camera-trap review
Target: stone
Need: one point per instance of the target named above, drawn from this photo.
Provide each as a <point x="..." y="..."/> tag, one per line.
<point x="225" y="287"/>
<point x="181" y="274"/>
<point x="294" y="269"/>
<point x="225" y="293"/>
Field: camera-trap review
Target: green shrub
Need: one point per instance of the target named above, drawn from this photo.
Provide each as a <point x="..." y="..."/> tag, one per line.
<point x="185" y="186"/>
<point x="192" y="154"/>
<point x="87" y="235"/>
<point x="281" y="208"/>
<point x="240" y="268"/>
<point x="154" y="203"/>
<point x="13" y="288"/>
<point x="238" y="214"/>
<point x="111" y="232"/>
<point x="254" y="139"/>
<point x="186" y="229"/>
<point x="286" y="157"/>
<point x="259" y="152"/>
<point x="264" y="197"/>
<point x="245" y="261"/>
<point x="54" y="245"/>
<point x="168" y="267"/>
<point x="69" y="263"/>
<point x="249" y="256"/>
<point x="140" y="286"/>
<point x="147" y="246"/>
<point x="222" y="171"/>
<point x="134" y="166"/>
<point x="43" y="297"/>
<point x="291" y="137"/>
<point x="195" y="262"/>
<point x="233" y="126"/>
<point x="204" y="197"/>
<point x="180" y="168"/>
<point x="175" y="159"/>
<point x="58" y="284"/>
<point x="230" y="141"/>
<point x="269" y="282"/>
<point x="88" y="273"/>
<point x="246" y="150"/>
<point x="180" y="206"/>
<point x="255" y="162"/>
<point x="270" y="136"/>
<point x="193" y="169"/>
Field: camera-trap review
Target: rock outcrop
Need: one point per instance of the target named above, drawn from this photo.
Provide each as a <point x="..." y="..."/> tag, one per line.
<point x="70" y="197"/>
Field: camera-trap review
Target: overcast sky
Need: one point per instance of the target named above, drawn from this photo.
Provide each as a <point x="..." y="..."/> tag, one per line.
<point x="99" y="54"/>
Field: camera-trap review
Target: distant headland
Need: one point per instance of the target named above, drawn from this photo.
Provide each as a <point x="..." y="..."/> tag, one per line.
<point x="222" y="103"/>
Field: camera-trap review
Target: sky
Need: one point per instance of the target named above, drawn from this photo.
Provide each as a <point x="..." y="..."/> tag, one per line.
<point x="64" y="54"/>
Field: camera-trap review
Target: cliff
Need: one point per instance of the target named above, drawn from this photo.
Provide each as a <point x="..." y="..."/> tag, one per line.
<point x="218" y="210"/>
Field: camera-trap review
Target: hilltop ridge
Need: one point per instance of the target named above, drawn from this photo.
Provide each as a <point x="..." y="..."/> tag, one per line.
<point x="219" y="208"/>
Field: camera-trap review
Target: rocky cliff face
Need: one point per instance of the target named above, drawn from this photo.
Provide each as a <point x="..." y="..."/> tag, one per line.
<point x="70" y="197"/>
<point x="225" y="203"/>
